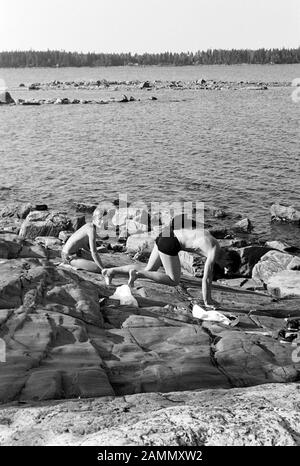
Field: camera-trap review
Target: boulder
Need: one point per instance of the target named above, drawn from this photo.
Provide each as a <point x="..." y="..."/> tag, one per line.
<point x="44" y="223"/>
<point x="21" y="210"/>
<point x="219" y="232"/>
<point x="34" y="87"/>
<point x="283" y="213"/>
<point x="131" y="228"/>
<point x="77" y="222"/>
<point x="143" y="242"/>
<point x="16" y="210"/>
<point x="160" y="218"/>
<point x="81" y="207"/>
<point x="145" y="85"/>
<point x="250" y="255"/>
<point x="232" y="243"/>
<point x="279" y="245"/>
<point x="192" y="264"/>
<point x="24" y="210"/>
<point x="48" y="241"/>
<point x="272" y="263"/>
<point x="285" y="283"/>
<point x="29" y="102"/>
<point x="6" y="98"/>
<point x="12" y="246"/>
<point x="64" y="235"/>
<point x="219" y="213"/>
<point x="250" y="358"/>
<point x="129" y="221"/>
<point x="244" y="226"/>
<point x="40" y="207"/>
<point x="139" y="215"/>
<point x="124" y="99"/>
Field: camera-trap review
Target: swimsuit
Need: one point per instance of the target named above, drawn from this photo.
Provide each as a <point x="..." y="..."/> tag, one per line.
<point x="167" y="243"/>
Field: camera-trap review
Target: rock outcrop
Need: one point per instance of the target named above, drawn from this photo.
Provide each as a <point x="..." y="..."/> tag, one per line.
<point x="266" y="415"/>
<point x="66" y="339"/>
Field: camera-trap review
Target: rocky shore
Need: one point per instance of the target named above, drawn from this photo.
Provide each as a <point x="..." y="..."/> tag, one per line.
<point x="153" y="374"/>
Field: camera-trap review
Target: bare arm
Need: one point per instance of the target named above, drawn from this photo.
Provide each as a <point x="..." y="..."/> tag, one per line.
<point x="93" y="248"/>
<point x="207" y="278"/>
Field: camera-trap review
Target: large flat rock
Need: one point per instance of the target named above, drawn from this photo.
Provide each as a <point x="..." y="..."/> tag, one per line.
<point x="255" y="416"/>
<point x="65" y="337"/>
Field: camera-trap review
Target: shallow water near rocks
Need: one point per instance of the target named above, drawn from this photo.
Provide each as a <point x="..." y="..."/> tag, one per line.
<point x="236" y="150"/>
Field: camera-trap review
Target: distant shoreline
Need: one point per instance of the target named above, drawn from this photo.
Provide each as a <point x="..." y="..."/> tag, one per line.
<point x="149" y="66"/>
<point x="62" y="59"/>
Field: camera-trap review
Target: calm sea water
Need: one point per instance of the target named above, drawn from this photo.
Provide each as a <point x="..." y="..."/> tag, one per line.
<point x="236" y="150"/>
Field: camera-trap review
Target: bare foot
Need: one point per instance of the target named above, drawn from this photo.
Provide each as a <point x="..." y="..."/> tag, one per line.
<point x="132" y="277"/>
<point x="108" y="275"/>
<point x="213" y="305"/>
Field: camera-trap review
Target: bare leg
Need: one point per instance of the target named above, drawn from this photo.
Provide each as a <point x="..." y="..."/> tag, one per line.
<point x="83" y="264"/>
<point x="171" y="276"/>
<point x="153" y="264"/>
<point x="154" y="261"/>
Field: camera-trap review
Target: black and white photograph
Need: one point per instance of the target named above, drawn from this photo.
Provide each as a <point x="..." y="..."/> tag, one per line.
<point x="150" y="229"/>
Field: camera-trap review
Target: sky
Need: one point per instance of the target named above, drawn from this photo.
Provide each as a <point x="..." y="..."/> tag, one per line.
<point x="148" y="25"/>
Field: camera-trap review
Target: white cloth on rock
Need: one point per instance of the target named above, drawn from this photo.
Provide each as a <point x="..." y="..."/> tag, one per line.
<point x="124" y="295"/>
<point x="213" y="316"/>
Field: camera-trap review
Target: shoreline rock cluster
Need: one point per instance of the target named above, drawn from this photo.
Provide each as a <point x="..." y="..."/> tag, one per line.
<point x="198" y="84"/>
<point x="129" y="86"/>
<point x="8" y="100"/>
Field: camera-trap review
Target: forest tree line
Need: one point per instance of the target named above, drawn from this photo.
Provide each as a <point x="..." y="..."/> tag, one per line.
<point x="55" y="58"/>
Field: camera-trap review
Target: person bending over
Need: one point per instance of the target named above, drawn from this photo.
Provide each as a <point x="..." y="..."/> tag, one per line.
<point x="165" y="253"/>
<point x="80" y="250"/>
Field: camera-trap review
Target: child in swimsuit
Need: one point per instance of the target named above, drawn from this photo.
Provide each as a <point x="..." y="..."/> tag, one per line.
<point x="80" y="250"/>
